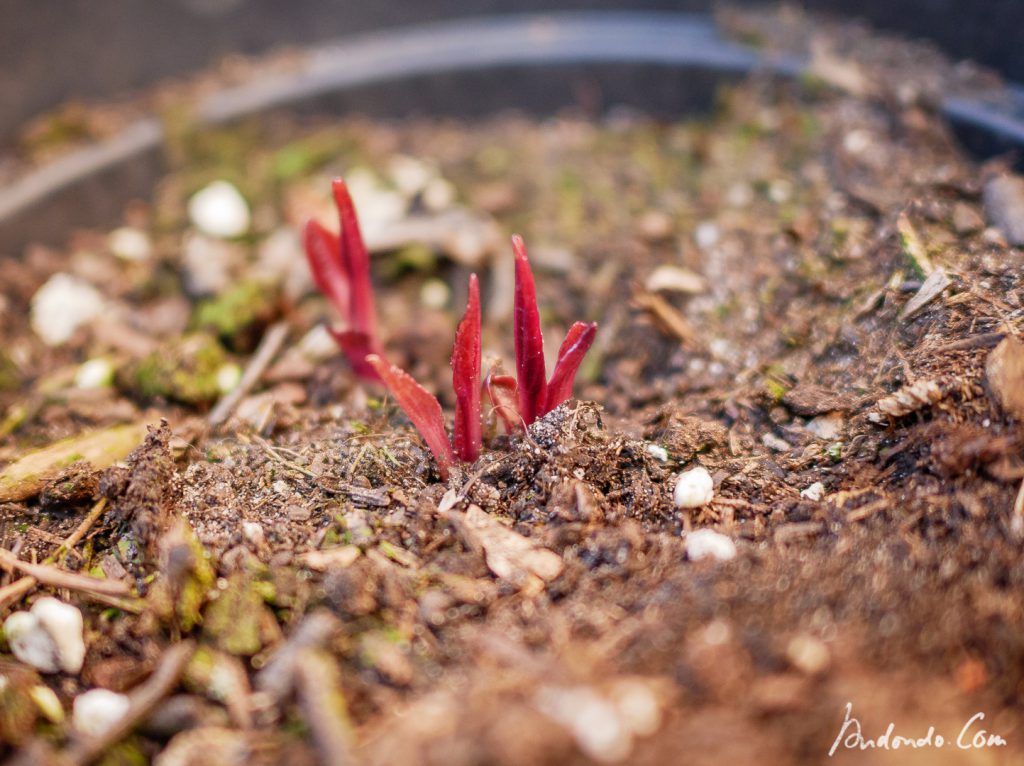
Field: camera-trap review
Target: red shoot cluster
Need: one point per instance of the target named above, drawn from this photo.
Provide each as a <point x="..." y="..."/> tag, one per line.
<point x="340" y="267"/>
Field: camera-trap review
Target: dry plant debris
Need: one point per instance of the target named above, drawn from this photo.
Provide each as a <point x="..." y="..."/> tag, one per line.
<point x="813" y="295"/>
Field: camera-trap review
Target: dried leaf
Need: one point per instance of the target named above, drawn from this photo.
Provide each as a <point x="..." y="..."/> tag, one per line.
<point x="529" y="342"/>
<point x="466" y="378"/>
<point x="575" y="346"/>
<point x="421" y="407"/>
<point x="508" y="554"/>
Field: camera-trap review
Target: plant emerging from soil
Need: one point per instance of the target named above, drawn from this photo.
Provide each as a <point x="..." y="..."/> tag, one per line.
<point x="340" y="266"/>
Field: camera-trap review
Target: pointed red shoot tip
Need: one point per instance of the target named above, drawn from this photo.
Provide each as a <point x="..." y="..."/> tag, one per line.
<point x="576" y="344"/>
<point x="356" y="263"/>
<point x="323" y="252"/>
<point x="420" y="406"/>
<point x="466" y="378"/>
<point x="529" y="342"/>
<point x="504" y="396"/>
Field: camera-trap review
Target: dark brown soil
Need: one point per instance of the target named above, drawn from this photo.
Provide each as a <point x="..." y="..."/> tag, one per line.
<point x="344" y="603"/>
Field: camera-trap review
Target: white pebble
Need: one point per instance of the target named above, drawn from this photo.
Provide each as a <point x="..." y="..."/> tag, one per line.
<point x="808" y="654"/>
<point x="439" y="194"/>
<point x="61" y="306"/>
<point x="410" y="175"/>
<point x="705" y="543"/>
<point x="694" y="488"/>
<point x="64" y="623"/>
<point x="207" y="264"/>
<point x="658" y="452"/>
<point x="95" y="373"/>
<point x="814" y="492"/>
<point x="594" y="722"/>
<point x="220" y="210"/>
<point x="434" y="294"/>
<point x="95" y="711"/>
<point x="638" y="705"/>
<point x="857" y="141"/>
<point x="318" y="344"/>
<point x="30" y="643"/>
<point x="675" y="279"/>
<point x="130" y="244"/>
<point x="48" y="636"/>
<point x="706" y="235"/>
<point x="228" y="377"/>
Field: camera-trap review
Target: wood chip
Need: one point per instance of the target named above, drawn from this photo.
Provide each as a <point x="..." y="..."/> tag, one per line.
<point x="933" y="287"/>
<point x="330" y="558"/>
<point x="668" y="319"/>
<point x="1004" y="377"/>
<point x="27" y="476"/>
<point x="908" y="399"/>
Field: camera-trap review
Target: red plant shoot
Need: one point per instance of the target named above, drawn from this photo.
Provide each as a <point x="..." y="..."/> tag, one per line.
<point x="422" y="407"/>
<point x="576" y="344"/>
<point x="536" y="397"/>
<point x="466" y="378"/>
<point x="529" y="343"/>
<point x="341" y="270"/>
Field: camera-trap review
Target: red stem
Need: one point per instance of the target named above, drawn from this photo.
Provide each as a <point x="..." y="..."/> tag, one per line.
<point x="466" y="378"/>
<point x="529" y="342"/>
<point x="323" y="251"/>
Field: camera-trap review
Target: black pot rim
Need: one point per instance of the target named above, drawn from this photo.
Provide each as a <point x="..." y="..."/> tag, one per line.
<point x="668" y="39"/>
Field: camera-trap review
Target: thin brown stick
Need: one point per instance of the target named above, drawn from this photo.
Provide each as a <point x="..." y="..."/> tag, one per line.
<point x="75" y="537"/>
<point x="270" y="344"/>
<point x="15" y="591"/>
<point x="142" y="700"/>
<point x="272" y="453"/>
<point x="57" y="578"/>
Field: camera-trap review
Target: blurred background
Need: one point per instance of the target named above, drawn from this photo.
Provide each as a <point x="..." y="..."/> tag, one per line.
<point x="54" y="50"/>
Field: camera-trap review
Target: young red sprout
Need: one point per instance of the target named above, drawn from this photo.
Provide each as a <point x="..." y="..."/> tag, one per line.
<point x="520" y="402"/>
<point x="340" y="265"/>
<point x="422" y="407"/>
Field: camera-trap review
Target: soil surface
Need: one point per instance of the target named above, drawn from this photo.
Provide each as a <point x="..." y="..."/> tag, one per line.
<point x="811" y="292"/>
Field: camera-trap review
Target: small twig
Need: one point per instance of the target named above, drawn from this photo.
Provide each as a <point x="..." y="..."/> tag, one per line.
<point x="15" y="591"/>
<point x="1017" y="519"/>
<point x="271" y="343"/>
<point x="283" y="461"/>
<point x="57" y="578"/>
<point x="142" y="700"/>
<point x="75" y="537"/>
<point x="867" y="510"/>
